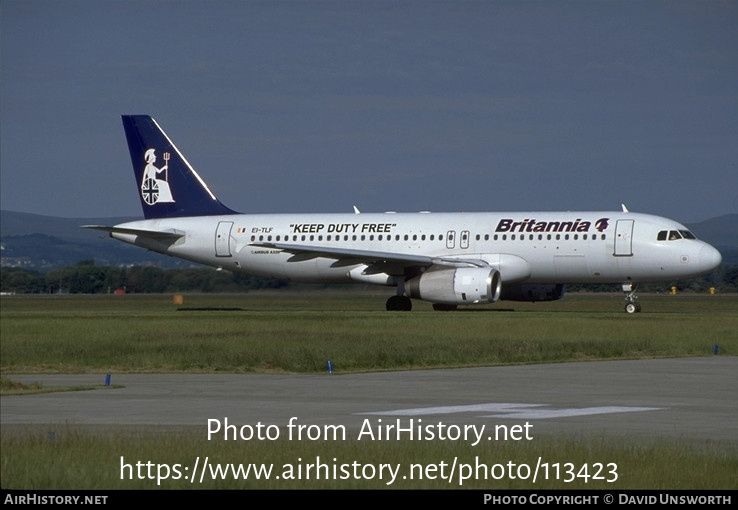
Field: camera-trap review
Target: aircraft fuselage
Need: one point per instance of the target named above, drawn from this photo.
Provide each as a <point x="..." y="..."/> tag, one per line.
<point x="540" y="248"/>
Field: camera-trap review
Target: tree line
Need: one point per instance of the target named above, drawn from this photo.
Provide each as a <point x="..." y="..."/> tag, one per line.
<point x="88" y="278"/>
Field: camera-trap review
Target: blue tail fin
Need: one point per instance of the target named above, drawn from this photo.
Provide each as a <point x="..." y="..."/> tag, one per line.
<point x="168" y="185"/>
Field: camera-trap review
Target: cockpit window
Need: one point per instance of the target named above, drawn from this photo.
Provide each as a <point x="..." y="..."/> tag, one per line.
<point x="673" y="235"/>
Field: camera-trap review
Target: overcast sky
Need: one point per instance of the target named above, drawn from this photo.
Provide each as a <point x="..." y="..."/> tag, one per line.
<point x="315" y="106"/>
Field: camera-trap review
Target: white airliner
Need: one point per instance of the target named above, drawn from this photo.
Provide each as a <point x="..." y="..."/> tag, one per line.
<point x="448" y="259"/>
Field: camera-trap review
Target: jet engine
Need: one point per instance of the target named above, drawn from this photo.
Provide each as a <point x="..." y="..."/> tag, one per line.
<point x="460" y="286"/>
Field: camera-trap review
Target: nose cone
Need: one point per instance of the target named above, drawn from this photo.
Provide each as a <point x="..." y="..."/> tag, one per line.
<point x="710" y="258"/>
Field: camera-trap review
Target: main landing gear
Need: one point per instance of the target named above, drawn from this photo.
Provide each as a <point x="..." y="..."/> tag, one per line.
<point x="399" y="304"/>
<point x="631" y="306"/>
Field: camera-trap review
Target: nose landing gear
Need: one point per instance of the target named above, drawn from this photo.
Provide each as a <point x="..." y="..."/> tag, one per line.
<point x="631" y="306"/>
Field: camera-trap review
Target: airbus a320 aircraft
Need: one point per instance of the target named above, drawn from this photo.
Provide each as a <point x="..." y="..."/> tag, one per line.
<point x="448" y="259"/>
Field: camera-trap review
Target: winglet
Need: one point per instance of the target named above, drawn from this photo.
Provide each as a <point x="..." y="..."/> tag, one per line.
<point x="625" y="209"/>
<point x="356" y="210"/>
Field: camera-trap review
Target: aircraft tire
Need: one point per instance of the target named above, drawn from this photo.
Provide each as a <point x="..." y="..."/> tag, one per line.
<point x="399" y="304"/>
<point x="631" y="307"/>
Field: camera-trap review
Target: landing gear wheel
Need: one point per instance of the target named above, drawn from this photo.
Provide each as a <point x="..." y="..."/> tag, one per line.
<point x="631" y="305"/>
<point x="399" y="304"/>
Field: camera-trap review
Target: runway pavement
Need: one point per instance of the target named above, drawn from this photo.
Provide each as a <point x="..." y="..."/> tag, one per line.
<point x="688" y="398"/>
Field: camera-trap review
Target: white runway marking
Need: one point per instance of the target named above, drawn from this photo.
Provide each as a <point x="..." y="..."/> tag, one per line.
<point x="476" y="408"/>
<point x="541" y="414"/>
<point x="513" y="411"/>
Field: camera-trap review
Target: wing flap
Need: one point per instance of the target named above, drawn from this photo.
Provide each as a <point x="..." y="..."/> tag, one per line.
<point x="347" y="256"/>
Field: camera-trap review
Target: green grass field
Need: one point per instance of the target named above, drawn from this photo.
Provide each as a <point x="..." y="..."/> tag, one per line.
<point x="298" y="332"/>
<point x="294" y="332"/>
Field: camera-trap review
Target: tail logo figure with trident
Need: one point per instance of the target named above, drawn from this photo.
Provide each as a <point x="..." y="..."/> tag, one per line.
<point x="153" y="189"/>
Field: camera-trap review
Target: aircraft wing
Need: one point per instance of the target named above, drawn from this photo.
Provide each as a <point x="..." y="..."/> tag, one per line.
<point x="171" y="234"/>
<point x="346" y="256"/>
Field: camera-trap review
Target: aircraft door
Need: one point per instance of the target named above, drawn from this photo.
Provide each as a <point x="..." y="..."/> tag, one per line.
<point x="464" y="239"/>
<point x="223" y="239"/>
<point x="624" y="238"/>
<point x="450" y="239"/>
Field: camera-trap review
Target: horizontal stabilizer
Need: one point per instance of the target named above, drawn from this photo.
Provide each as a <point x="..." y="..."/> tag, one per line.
<point x="151" y="234"/>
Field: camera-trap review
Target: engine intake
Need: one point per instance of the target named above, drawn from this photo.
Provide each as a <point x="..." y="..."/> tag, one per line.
<point x="461" y="286"/>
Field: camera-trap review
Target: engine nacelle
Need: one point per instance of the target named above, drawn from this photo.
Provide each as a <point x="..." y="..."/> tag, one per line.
<point x="528" y="292"/>
<point x="461" y="286"/>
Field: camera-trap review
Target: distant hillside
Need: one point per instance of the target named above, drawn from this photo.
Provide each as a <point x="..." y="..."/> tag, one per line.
<point x="721" y="232"/>
<point x="23" y="224"/>
<point x="43" y="243"/>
